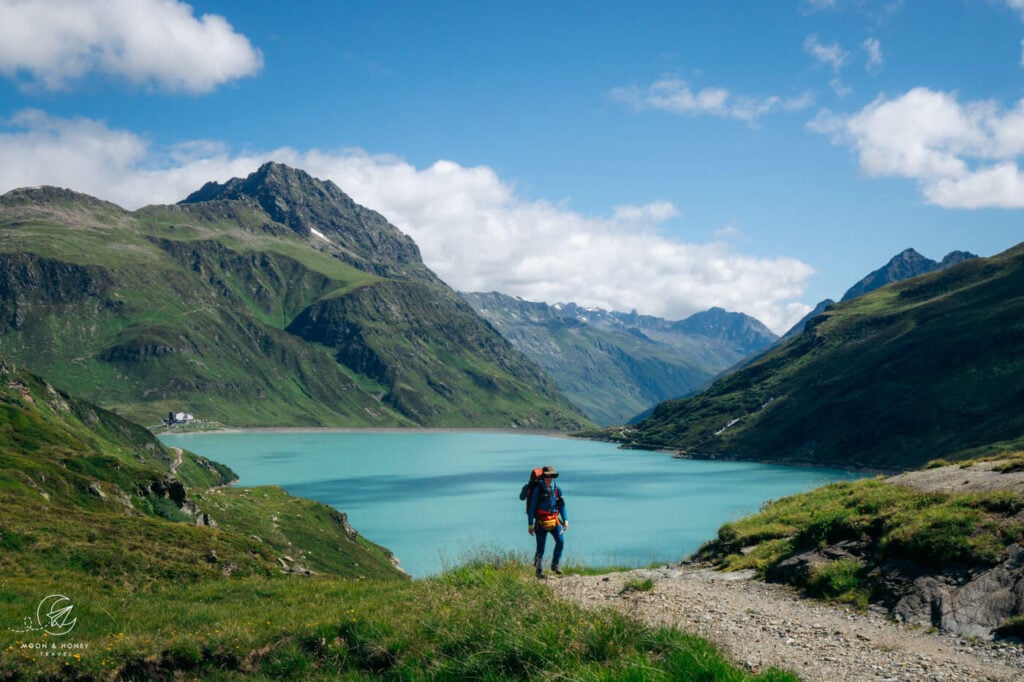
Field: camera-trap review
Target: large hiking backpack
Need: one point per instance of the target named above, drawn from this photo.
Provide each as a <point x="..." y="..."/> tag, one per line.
<point x="528" y="487"/>
<point x="527" y="490"/>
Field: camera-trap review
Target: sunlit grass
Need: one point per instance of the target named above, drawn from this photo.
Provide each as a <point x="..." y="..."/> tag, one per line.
<point x="488" y="619"/>
<point x="886" y="521"/>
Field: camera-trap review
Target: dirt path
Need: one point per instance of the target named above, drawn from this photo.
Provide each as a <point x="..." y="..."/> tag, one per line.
<point x="762" y="625"/>
<point x="179" y="454"/>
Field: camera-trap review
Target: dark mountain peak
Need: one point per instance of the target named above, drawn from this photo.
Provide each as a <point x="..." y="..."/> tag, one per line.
<point x="908" y="255"/>
<point x="714" y="313"/>
<point x="955" y="258"/>
<point x="904" y="265"/>
<point x="738" y="328"/>
<point x="319" y="210"/>
<point x="290" y="196"/>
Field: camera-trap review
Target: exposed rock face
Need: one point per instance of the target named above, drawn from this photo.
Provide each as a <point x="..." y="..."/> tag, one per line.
<point x="974" y="608"/>
<point x="964" y="601"/>
<point x="797" y="569"/>
<point x="293" y="198"/>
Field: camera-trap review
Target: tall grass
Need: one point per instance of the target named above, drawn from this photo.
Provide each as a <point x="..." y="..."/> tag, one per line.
<point x="484" y="620"/>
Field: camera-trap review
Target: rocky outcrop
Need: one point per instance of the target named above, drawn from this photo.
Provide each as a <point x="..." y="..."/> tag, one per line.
<point x="171" y="488"/>
<point x="974" y="608"/>
<point x="962" y="600"/>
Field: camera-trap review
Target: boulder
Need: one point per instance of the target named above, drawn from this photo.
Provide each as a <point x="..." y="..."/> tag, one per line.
<point x="973" y="609"/>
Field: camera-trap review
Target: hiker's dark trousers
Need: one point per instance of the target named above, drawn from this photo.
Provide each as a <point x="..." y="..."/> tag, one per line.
<point x="542" y="538"/>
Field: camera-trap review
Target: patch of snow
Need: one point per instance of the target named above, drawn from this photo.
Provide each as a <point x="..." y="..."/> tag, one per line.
<point x="318" y="233"/>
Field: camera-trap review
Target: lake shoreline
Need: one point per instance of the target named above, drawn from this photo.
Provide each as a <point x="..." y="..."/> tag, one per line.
<point x="671" y="452"/>
<point x="365" y="429"/>
<point x="399" y="487"/>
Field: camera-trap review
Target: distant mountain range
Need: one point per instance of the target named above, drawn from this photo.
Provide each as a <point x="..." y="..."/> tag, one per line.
<point x="615" y="365"/>
<point x="271" y="300"/>
<point x="925" y="368"/>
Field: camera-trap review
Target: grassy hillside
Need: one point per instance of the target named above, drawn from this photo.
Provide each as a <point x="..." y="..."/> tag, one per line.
<point x="487" y="620"/>
<point x="926" y="368"/>
<point x="99" y="519"/>
<point x="82" y="487"/>
<point x="317" y="313"/>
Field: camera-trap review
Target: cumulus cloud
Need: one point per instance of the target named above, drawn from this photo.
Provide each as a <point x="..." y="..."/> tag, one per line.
<point x="673" y="94"/>
<point x="963" y="155"/>
<point x="53" y="43"/>
<point x="473" y="229"/>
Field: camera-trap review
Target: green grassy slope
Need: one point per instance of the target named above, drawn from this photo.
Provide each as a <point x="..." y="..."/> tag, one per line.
<point x="238" y="316"/>
<point x="927" y="368"/>
<point x="81" y="487"/>
<point x="279" y="588"/>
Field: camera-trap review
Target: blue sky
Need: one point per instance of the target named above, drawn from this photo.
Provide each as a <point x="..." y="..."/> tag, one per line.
<point x="659" y="156"/>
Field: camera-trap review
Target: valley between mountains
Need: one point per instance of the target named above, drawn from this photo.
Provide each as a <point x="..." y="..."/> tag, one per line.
<point x="274" y="300"/>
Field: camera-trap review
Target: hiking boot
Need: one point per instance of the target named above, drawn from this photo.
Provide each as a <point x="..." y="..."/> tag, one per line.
<point x="555" y="569"/>
<point x="538" y="563"/>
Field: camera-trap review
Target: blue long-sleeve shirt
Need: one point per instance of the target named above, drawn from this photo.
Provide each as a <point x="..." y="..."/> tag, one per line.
<point x="554" y="502"/>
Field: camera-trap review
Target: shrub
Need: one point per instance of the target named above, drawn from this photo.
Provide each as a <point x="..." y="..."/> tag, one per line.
<point x="1014" y="627"/>
<point x="935" y="536"/>
<point x="841" y="580"/>
<point x="638" y="585"/>
<point x="826" y="529"/>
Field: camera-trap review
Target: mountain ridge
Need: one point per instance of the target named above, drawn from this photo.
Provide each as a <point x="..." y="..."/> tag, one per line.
<point x="215" y="306"/>
<point x="616" y="365"/>
<point x="914" y="371"/>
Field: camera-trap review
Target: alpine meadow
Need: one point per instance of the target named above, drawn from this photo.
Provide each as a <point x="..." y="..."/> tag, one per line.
<point x="295" y="297"/>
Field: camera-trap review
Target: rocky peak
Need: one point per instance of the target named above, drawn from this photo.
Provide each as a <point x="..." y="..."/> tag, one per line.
<point x="904" y="265"/>
<point x="320" y="210"/>
<point x="738" y="328"/>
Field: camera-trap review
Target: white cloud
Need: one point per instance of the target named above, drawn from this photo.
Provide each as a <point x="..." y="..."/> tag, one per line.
<point x="830" y="55"/>
<point x="874" y="49"/>
<point x="472" y="227"/>
<point x="674" y="95"/>
<point x="1017" y="5"/>
<point x="161" y="42"/>
<point x="963" y="155"/>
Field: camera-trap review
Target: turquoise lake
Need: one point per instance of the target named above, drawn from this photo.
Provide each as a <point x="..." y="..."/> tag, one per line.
<point x="435" y="498"/>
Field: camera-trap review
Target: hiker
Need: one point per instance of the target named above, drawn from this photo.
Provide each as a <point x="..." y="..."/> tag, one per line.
<point x="546" y="514"/>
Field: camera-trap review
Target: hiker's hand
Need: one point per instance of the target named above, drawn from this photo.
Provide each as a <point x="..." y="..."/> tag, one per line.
<point x="530" y="530"/>
<point x="565" y="525"/>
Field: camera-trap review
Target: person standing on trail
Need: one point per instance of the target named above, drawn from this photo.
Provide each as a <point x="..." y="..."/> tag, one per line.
<point x="546" y="514"/>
